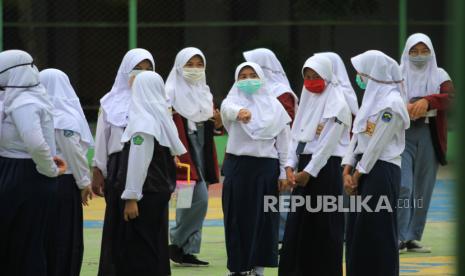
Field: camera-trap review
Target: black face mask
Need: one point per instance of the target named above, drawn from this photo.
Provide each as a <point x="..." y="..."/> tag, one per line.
<point x="2" y="88"/>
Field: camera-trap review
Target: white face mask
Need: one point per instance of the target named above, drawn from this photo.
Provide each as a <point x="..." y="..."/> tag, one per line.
<point x="420" y="60"/>
<point x="193" y="75"/>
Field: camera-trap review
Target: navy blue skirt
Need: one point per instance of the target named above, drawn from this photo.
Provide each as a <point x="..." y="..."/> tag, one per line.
<point x="313" y="241"/>
<point x="25" y="202"/>
<point x="107" y="264"/>
<point x="66" y="246"/>
<point x="141" y="247"/>
<point x="251" y="234"/>
<point x="372" y="238"/>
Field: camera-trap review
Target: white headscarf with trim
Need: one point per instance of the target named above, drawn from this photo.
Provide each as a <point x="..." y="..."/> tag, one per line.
<point x="149" y="113"/>
<point x="269" y="117"/>
<point x="384" y="88"/>
<point x="68" y="114"/>
<point x="315" y="107"/>
<point x="116" y="102"/>
<point x="19" y="70"/>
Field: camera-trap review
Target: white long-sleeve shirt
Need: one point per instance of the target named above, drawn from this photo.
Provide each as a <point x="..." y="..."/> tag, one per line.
<point x="239" y="143"/>
<point x="69" y="148"/>
<point x="140" y="157"/>
<point x="107" y="141"/>
<point x="386" y="142"/>
<point x="332" y="141"/>
<point x="28" y="133"/>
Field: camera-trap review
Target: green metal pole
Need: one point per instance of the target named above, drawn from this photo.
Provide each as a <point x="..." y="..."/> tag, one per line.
<point x="1" y="25"/>
<point x="402" y="25"/>
<point x="456" y="56"/>
<point x="132" y="24"/>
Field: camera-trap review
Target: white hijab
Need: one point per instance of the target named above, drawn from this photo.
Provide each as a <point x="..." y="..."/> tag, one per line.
<point x="116" y="102"/>
<point x="149" y="113"/>
<point x="315" y="107"/>
<point x="274" y="72"/>
<point x="340" y="72"/>
<point x="384" y="88"/>
<point x="68" y="112"/>
<point x="19" y="70"/>
<point x="422" y="81"/>
<point x="193" y="101"/>
<point x="269" y="117"/>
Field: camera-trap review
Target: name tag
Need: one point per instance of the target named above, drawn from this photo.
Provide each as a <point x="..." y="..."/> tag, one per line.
<point x="370" y="128"/>
<point x="319" y="129"/>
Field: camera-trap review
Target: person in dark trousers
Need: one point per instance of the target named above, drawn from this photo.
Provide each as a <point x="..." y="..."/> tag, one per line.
<point x="372" y="167"/>
<point x="28" y="168"/>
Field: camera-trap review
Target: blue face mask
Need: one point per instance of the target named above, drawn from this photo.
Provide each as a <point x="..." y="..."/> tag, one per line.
<point x="360" y="82"/>
<point x="420" y="60"/>
<point x="249" y="86"/>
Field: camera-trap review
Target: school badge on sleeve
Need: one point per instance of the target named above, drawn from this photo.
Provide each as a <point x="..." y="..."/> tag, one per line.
<point x="387" y="116"/>
<point x="370" y="129"/>
<point x="319" y="129"/>
<point x="68" y="133"/>
<point x="137" y="140"/>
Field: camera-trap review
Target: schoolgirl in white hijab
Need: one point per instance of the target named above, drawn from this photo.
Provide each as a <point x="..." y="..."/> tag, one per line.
<point x="69" y="121"/>
<point x="342" y="77"/>
<point x="112" y="119"/>
<point x="375" y="156"/>
<point x="113" y="115"/>
<point x="28" y="168"/>
<point x="275" y="75"/>
<point x="429" y="92"/>
<point x="149" y="113"/>
<point x="422" y="74"/>
<point x="197" y="123"/>
<point x="73" y="138"/>
<point x="187" y="89"/>
<point x="153" y="141"/>
<point x="258" y="128"/>
<point x="281" y="89"/>
<point x="320" y="137"/>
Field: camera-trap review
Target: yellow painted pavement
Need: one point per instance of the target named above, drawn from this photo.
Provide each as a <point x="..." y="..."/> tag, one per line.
<point x="96" y="210"/>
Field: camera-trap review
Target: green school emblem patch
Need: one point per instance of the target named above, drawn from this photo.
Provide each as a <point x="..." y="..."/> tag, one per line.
<point x="387" y="116"/>
<point x="137" y="140"/>
<point x="68" y="133"/>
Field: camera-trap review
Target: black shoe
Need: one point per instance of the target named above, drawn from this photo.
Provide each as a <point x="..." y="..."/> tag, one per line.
<point x="191" y="260"/>
<point x="176" y="254"/>
<point x="417" y="247"/>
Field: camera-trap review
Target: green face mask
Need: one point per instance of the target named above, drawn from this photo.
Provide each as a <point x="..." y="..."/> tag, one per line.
<point x="360" y="83"/>
<point x="249" y="86"/>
